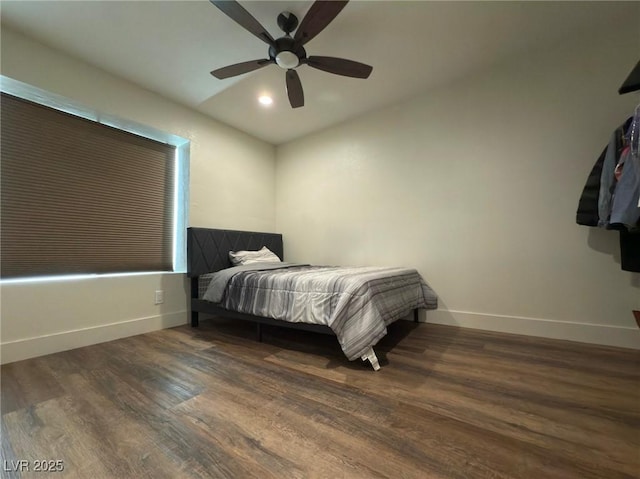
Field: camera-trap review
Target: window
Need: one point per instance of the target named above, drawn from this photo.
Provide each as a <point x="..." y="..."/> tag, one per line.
<point x="83" y="197"/>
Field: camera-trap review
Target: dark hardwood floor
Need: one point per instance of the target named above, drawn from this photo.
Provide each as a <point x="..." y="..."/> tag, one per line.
<point x="213" y="402"/>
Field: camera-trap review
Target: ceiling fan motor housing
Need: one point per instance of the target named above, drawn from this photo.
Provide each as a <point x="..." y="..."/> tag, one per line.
<point x="286" y="53"/>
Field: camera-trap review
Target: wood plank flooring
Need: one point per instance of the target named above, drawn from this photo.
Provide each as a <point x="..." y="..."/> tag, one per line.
<point x="214" y="403"/>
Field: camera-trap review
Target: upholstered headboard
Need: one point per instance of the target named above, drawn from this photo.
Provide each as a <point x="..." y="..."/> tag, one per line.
<point x="208" y="249"/>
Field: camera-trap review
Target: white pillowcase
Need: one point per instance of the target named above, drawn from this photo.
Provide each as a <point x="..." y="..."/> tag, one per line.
<point x="265" y="255"/>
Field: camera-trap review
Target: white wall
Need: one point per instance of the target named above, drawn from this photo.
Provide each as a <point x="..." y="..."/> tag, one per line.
<point x="476" y="185"/>
<point x="40" y="318"/>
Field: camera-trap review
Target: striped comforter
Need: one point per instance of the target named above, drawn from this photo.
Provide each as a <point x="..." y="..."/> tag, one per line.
<point x="356" y="303"/>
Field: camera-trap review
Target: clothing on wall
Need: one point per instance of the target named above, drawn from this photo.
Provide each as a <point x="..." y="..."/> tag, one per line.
<point x="625" y="212"/>
<point x="611" y="196"/>
<point x="596" y="197"/>
<point x="607" y="180"/>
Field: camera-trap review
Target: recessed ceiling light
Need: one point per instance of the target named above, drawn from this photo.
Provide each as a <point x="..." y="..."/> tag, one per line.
<point x="265" y="100"/>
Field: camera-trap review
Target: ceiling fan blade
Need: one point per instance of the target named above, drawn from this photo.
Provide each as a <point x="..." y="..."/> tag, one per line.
<point x="237" y="13"/>
<point x="240" y="68"/>
<point x="317" y="18"/>
<point x="294" y="89"/>
<point x="340" y="66"/>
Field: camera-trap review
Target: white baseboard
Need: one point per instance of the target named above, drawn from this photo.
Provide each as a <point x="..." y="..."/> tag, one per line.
<point x="53" y="343"/>
<point x="624" y="337"/>
<point x="603" y="334"/>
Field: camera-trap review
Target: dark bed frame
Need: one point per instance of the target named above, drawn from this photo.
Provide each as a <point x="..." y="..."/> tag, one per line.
<point x="207" y="252"/>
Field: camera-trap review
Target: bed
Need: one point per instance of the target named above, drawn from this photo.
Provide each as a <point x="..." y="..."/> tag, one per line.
<point x="353" y="304"/>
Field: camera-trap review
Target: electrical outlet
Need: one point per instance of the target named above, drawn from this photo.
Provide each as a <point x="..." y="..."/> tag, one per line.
<point x="159" y="296"/>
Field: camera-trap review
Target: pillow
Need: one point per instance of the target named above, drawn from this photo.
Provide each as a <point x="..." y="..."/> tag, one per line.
<point x="265" y="255"/>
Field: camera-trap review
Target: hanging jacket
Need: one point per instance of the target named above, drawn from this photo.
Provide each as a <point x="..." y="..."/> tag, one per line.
<point x="587" y="213"/>
<point x="595" y="199"/>
<point x="603" y="204"/>
<point x="625" y="206"/>
<point x="607" y="179"/>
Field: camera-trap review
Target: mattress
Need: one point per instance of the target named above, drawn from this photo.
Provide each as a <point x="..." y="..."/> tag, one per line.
<point x="357" y="303"/>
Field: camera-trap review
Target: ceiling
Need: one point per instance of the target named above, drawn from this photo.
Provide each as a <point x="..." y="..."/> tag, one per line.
<point x="170" y="47"/>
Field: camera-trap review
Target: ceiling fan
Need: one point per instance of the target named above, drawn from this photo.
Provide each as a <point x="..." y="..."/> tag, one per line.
<point x="287" y="52"/>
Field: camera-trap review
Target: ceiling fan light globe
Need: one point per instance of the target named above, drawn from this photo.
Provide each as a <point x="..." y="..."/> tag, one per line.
<point x="287" y="60"/>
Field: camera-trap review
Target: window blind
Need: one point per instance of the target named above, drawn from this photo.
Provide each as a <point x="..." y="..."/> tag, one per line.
<point x="81" y="197"/>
